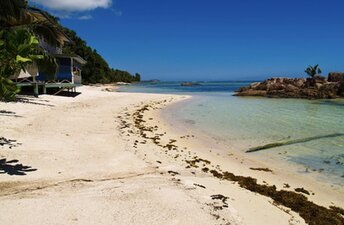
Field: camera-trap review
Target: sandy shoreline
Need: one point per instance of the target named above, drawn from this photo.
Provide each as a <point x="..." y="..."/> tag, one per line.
<point x="282" y="172"/>
<point x="86" y="160"/>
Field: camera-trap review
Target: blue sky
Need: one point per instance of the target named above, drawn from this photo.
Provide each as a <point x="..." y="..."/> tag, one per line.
<point x="210" y="40"/>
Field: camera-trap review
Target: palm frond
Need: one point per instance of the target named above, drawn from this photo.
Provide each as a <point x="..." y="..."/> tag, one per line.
<point x="11" y="11"/>
<point x="312" y="71"/>
<point x="47" y="31"/>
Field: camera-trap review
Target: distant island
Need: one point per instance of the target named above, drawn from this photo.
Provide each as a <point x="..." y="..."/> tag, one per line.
<point x="151" y="81"/>
<point x="314" y="87"/>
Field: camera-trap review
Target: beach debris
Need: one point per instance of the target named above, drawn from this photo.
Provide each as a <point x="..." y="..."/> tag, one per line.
<point x="262" y="169"/>
<point x="337" y="209"/>
<point x="196" y="160"/>
<point x="302" y="190"/>
<point x="199" y="185"/>
<point x="312" y="213"/>
<point x="291" y="142"/>
<point x="173" y="173"/>
<point x="223" y="200"/>
<point x="220" y="197"/>
<point x="205" y="169"/>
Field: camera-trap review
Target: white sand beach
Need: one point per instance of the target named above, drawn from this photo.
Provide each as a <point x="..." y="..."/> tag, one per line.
<point x="89" y="160"/>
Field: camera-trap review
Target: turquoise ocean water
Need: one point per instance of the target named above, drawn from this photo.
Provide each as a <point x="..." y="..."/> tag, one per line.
<point x="245" y="122"/>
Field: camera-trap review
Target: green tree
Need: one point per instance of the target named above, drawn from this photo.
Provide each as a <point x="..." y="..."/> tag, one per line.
<point x="18" y="48"/>
<point x="11" y="11"/>
<point x="312" y="71"/>
<point x="19" y="29"/>
<point x="137" y="77"/>
<point x="15" y="14"/>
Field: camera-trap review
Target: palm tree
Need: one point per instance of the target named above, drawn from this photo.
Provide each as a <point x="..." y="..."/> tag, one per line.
<point x="18" y="49"/>
<point x="15" y="14"/>
<point x="312" y="71"/>
<point x="11" y="11"/>
<point x="19" y="29"/>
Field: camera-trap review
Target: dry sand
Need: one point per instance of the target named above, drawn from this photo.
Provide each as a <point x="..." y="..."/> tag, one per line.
<point x="83" y="160"/>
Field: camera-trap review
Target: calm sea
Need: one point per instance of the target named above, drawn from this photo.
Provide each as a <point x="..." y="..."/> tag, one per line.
<point x="245" y="122"/>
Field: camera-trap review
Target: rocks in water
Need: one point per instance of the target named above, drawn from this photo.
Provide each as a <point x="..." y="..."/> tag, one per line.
<point x="311" y="88"/>
<point x="189" y="84"/>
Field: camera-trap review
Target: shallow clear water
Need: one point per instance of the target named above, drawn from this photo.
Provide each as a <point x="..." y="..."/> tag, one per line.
<point x="202" y="88"/>
<point x="247" y="122"/>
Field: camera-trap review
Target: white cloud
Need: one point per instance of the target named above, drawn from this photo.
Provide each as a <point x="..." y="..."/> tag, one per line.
<point x="74" y="5"/>
<point x="85" y="17"/>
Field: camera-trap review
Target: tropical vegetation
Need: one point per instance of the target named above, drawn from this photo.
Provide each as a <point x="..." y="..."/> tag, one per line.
<point x="19" y="47"/>
<point x="313" y="70"/>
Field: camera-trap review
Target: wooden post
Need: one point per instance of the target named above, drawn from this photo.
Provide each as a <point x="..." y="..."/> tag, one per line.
<point x="35" y="90"/>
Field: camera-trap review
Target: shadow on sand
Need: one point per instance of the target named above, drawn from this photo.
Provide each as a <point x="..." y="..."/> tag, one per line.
<point x="8" y="113"/>
<point x="12" y="167"/>
<point x="9" y="142"/>
<point x="68" y="94"/>
<point x="33" y="100"/>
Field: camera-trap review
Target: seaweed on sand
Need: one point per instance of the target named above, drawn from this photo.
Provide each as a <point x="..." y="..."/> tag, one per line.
<point x="261" y="169"/>
<point x="312" y="213"/>
<point x="302" y="190"/>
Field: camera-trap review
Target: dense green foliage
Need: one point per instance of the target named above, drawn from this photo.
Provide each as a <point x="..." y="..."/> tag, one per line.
<point x="18" y="48"/>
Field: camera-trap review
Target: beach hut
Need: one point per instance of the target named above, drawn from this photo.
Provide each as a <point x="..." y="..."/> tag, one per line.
<point x="68" y="74"/>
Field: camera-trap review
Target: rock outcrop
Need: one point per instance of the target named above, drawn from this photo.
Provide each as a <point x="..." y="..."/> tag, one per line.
<point x="189" y="84"/>
<point x="335" y="77"/>
<point x="311" y="88"/>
